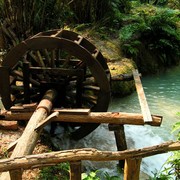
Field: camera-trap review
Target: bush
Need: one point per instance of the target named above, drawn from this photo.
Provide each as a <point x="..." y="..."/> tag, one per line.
<point x="151" y="36"/>
<point x="173" y="170"/>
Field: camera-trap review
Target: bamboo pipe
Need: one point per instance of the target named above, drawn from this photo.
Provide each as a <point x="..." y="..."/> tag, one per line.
<point x="27" y="141"/>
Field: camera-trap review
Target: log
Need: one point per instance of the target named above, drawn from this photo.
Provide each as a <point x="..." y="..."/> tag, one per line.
<point x="26" y="143"/>
<point x="93" y="117"/>
<point x="46" y="159"/>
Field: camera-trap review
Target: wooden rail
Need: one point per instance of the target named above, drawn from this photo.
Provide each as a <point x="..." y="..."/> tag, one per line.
<point x="131" y="172"/>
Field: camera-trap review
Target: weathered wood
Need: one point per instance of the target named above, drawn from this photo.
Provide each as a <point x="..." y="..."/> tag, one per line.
<point x="12" y="145"/>
<point x="27" y="141"/>
<point x="24" y="108"/>
<point x="75" y="173"/>
<point x="38" y="160"/>
<point x="5" y="81"/>
<point x="9" y="125"/>
<point x="93" y="117"/>
<point x="47" y="120"/>
<point x="120" y="140"/>
<point x="142" y="98"/>
<point x="73" y="111"/>
<point x="132" y="169"/>
<point x="26" y="82"/>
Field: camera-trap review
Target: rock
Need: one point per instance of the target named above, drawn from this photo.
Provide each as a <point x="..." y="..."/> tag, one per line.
<point x="124" y="66"/>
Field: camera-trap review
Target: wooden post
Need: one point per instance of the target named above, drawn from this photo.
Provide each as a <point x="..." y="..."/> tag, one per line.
<point x="27" y="141"/>
<point x="132" y="169"/>
<point x="120" y="139"/>
<point x="75" y="173"/>
<point x="26" y="75"/>
<point x="5" y="87"/>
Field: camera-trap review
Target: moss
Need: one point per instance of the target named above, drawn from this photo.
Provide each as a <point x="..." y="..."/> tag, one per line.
<point x="110" y="48"/>
<point x="125" y="66"/>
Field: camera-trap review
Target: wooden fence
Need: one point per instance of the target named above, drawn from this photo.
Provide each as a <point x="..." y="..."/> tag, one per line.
<point x="75" y="156"/>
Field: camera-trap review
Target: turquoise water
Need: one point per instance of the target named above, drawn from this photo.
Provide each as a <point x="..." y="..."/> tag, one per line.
<point x="163" y="96"/>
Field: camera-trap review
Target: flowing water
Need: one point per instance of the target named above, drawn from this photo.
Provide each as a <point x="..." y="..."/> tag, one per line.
<point x="163" y="96"/>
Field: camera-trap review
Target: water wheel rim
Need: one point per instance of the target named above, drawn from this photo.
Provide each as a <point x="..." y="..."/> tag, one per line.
<point x="41" y="42"/>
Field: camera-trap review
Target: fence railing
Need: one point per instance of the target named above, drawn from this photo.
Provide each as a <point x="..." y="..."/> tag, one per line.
<point x="75" y="156"/>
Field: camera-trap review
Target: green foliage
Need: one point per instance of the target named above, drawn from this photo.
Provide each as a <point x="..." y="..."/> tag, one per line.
<point x="173" y="4"/>
<point x="91" y="176"/>
<point x="155" y="30"/>
<point x="108" y="177"/>
<point x="60" y="171"/>
<point x="173" y="162"/>
<point x="28" y="17"/>
<point x="98" y="175"/>
<point x="4" y="153"/>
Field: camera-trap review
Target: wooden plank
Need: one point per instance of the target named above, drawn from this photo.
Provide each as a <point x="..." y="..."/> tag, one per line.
<point x="142" y="98"/>
<point x="73" y="111"/>
<point x="46" y="121"/>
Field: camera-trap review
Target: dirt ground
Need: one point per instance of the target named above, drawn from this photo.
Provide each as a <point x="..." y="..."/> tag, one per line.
<point x="7" y="137"/>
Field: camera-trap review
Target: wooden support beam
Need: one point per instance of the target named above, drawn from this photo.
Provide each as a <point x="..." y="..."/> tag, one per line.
<point x="26" y="82"/>
<point x="142" y="98"/>
<point x="26" y="143"/>
<point x="93" y="117"/>
<point x="5" y="87"/>
<point x="120" y="137"/>
<point x="75" y="173"/>
<point x="39" y="160"/>
<point x="132" y="169"/>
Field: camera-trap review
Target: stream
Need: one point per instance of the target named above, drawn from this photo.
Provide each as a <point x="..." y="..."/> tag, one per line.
<point x="163" y="96"/>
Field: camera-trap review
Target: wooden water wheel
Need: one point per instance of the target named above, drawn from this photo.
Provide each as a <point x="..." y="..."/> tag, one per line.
<point x="62" y="60"/>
